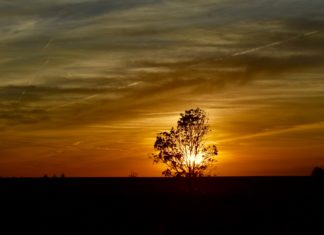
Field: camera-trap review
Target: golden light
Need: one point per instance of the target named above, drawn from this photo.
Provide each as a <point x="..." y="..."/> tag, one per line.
<point x="194" y="159"/>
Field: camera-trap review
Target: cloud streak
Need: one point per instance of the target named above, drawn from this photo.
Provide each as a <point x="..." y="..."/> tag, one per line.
<point x="73" y="66"/>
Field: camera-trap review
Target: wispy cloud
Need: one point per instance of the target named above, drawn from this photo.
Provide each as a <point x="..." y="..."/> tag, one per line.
<point x="276" y="132"/>
<point x="78" y="65"/>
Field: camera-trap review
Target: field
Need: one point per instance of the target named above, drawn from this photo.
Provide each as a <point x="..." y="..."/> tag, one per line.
<point x="220" y="205"/>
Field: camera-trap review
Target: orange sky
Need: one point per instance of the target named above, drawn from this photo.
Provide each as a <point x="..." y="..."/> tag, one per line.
<point x="86" y="85"/>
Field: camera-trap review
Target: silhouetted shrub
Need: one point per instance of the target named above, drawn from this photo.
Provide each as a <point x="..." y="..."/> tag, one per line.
<point x="318" y="172"/>
<point x="133" y="174"/>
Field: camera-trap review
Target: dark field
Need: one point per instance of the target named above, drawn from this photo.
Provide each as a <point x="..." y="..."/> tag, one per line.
<point x="221" y="205"/>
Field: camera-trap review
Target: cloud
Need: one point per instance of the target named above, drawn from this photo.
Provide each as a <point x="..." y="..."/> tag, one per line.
<point x="278" y="132"/>
<point x="256" y="66"/>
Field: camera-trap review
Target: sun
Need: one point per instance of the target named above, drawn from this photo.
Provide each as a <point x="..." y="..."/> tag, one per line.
<point x="194" y="159"/>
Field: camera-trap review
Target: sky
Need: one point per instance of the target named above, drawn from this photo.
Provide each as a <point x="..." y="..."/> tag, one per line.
<point x="85" y="85"/>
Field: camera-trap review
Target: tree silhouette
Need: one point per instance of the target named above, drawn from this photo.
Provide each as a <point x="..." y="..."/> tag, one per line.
<point x="318" y="172"/>
<point x="182" y="149"/>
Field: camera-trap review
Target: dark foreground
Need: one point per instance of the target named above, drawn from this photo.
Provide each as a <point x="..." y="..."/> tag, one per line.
<point x="222" y="205"/>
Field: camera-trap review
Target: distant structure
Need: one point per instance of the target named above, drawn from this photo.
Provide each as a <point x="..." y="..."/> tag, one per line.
<point x="318" y="172"/>
<point x="133" y="174"/>
<point x="54" y="176"/>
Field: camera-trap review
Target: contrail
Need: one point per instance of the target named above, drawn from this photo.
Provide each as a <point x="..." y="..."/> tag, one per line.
<point x="310" y="33"/>
<point x="48" y="43"/>
<point x="258" y="48"/>
<point x="45" y="62"/>
<point x="73" y="102"/>
<point x="275" y="132"/>
<point x="252" y="50"/>
<point x="274" y="44"/>
<point x="75" y="146"/>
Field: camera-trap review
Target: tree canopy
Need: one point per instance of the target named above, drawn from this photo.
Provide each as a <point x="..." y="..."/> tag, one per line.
<point x="182" y="149"/>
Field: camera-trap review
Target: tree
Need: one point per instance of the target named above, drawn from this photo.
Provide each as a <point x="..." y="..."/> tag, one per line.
<point x="318" y="172"/>
<point x="182" y="149"/>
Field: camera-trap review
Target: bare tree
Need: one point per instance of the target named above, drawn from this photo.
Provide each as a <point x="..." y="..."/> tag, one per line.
<point x="182" y="149"/>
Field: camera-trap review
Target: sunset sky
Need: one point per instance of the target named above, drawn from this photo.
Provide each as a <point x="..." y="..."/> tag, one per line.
<point x="85" y="86"/>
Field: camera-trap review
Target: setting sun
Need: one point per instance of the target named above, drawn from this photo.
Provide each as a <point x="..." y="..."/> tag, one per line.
<point x="182" y="150"/>
<point x="87" y="85"/>
<point x="162" y="117"/>
<point x="195" y="159"/>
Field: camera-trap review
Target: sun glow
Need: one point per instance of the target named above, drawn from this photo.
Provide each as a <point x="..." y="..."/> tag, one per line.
<point x="195" y="159"/>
